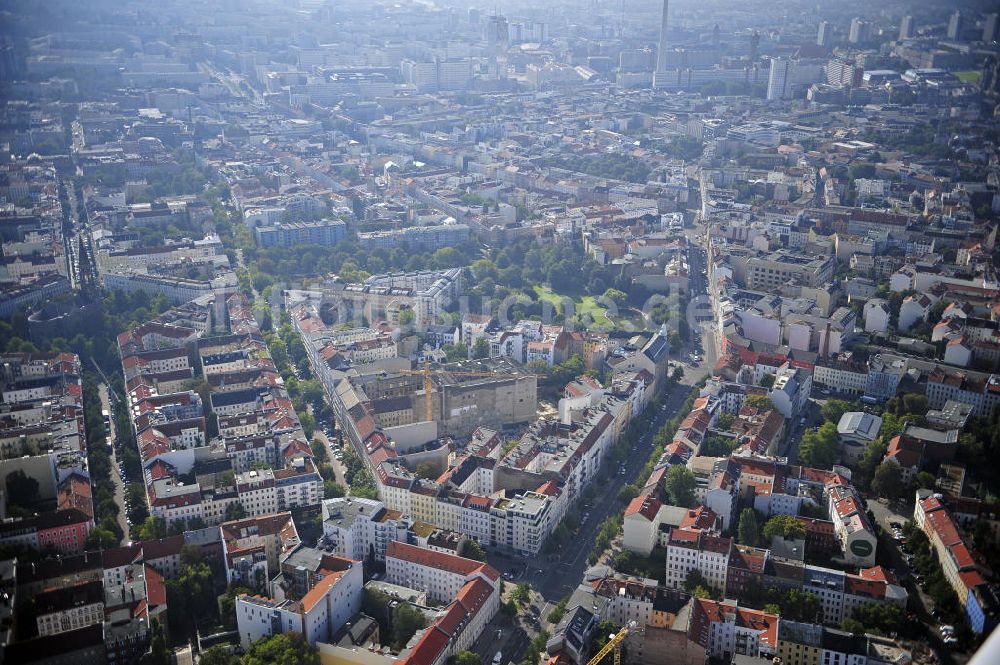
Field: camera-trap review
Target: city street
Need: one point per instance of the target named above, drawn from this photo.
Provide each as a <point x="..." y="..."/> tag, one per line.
<point x="115" y="477"/>
<point x="338" y="468"/>
<point x="556" y="576"/>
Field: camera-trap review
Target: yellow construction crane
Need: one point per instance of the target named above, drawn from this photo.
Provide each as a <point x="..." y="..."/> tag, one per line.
<point x="426" y="372"/>
<point x="614" y="643"/>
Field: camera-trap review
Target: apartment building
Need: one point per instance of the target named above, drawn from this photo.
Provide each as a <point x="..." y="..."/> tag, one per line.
<point x="67" y="608"/>
<point x="361" y="529"/>
<point x="417" y="238"/>
<point x="724" y="629"/>
<point x="253" y="547"/>
<point x="772" y="271"/>
<point x="695" y="549"/>
<point x="317" y="615"/>
<point x="438" y="574"/>
<point x="957" y="561"/>
<point x="323" y="233"/>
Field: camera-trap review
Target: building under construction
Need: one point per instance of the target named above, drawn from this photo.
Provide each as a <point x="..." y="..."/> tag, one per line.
<point x="464" y="395"/>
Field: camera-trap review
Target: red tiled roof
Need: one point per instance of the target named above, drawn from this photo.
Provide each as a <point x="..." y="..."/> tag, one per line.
<point x="963" y="558"/>
<point x="971" y="578"/>
<point x="156" y="592"/>
<point x="163" y="547"/>
<point x="319" y="590"/>
<point x="120" y="556"/>
<point x="647" y="506"/>
<point x="440" y="560"/>
<point x="427" y="648"/>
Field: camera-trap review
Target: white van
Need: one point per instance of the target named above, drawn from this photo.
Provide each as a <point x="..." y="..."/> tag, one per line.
<point x="497" y="658"/>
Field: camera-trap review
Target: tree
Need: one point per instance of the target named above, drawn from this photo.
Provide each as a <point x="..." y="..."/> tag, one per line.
<point x="153" y="528"/>
<point x="557" y="613"/>
<point x="627" y="493"/>
<point x="283" y="649"/>
<point x="473" y="550"/>
<point x="694" y="580"/>
<point x="605" y="629"/>
<point x="22" y="489"/>
<point x="101" y="538"/>
<point x="718" y="446"/>
<point x="466" y="658"/>
<point x="158" y="645"/>
<point x="407" y="317"/>
<point x="701" y="591"/>
<point x="915" y="403"/>
<point x="785" y="526"/>
<point x="762" y="402"/>
<point x="680" y="486"/>
<point x="406" y="621"/>
<point x="481" y="349"/>
<point x="853" y="626"/>
<point x="872" y="457"/>
<point x="192" y="594"/>
<point x="235" y="511"/>
<point x="521" y="593"/>
<point x="748" y="532"/>
<point x="834" y="409"/>
<point x="888" y="481"/>
<point x="137" y="512"/>
<point x="724" y="421"/>
<point x="925" y="480"/>
<point x="332" y="490"/>
<point x="455" y="352"/>
<point x="882" y="618"/>
<point x="820" y="448"/>
<point x="227" y="604"/>
<point x="616" y="296"/>
<point x="308" y="423"/>
<point x="426" y="470"/>
<point x="767" y="381"/>
<point x="217" y="655"/>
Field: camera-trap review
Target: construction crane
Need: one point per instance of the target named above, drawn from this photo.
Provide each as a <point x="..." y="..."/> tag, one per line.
<point x="615" y="644"/>
<point x="429" y="384"/>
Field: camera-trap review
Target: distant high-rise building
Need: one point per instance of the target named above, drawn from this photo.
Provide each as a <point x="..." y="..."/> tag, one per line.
<point x="955" y="25"/>
<point x="990" y="24"/>
<point x="497" y="34"/>
<point x="989" y="82"/>
<point x="825" y="34"/>
<point x="661" y="47"/>
<point x="715" y="35"/>
<point x="473" y="16"/>
<point x="859" y="31"/>
<point x="777" y="81"/>
<point x="906" y="28"/>
<point x="635" y="60"/>
<point x="754" y="46"/>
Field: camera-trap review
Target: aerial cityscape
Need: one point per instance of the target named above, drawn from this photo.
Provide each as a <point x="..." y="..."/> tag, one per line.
<point x="451" y="332"/>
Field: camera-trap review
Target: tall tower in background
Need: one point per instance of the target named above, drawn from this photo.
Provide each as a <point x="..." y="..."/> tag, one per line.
<point x="990" y="27"/>
<point x="859" y="31"/>
<point x="906" y="28"/>
<point x="777" y="80"/>
<point x="825" y="34"/>
<point x="955" y="25"/>
<point x="661" y="48"/>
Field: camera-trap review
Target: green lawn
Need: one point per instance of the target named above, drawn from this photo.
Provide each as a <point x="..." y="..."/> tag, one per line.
<point x="590" y="314"/>
<point x="971" y="76"/>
